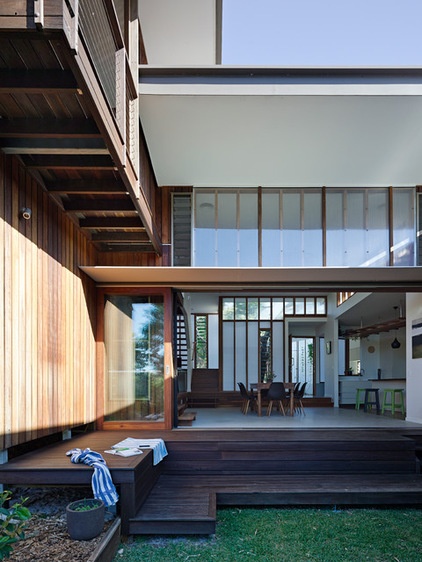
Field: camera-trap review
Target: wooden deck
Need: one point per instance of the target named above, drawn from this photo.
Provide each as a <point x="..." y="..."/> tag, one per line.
<point x="208" y="468"/>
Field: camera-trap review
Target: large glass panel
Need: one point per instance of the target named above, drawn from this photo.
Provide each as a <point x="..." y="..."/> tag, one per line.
<point x="403" y="227"/>
<point x="248" y="229"/>
<point x="335" y="252"/>
<point x="204" y="231"/>
<point x="292" y="230"/>
<point x="312" y="229"/>
<point x="253" y="369"/>
<point x="271" y="233"/>
<point x="134" y="353"/>
<point x="355" y="225"/>
<point x="240" y="352"/>
<point x="201" y="341"/>
<point x="228" y="355"/>
<point x="227" y="247"/>
<point x="377" y="229"/>
<point x="265" y="353"/>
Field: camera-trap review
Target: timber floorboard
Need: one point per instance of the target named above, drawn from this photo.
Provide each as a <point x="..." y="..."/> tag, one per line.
<point x="179" y="505"/>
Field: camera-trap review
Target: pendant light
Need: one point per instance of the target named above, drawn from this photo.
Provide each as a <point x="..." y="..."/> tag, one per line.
<point x="395" y="343"/>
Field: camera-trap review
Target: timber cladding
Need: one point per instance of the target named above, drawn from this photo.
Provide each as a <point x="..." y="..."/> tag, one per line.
<point x="47" y="314"/>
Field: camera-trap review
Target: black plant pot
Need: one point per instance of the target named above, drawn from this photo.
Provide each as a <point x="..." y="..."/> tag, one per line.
<point x="86" y="523"/>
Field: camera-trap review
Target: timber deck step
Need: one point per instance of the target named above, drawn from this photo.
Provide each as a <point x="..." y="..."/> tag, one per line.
<point x="180" y="505"/>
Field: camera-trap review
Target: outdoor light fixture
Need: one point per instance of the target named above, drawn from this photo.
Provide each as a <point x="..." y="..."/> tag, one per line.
<point x="25" y="213"/>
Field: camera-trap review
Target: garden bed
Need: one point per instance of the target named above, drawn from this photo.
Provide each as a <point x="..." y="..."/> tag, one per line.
<point x="46" y="534"/>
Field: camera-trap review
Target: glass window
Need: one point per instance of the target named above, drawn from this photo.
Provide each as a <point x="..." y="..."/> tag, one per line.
<point x="240" y="309"/>
<point x="227" y="250"/>
<point x="204" y="232"/>
<point x="278" y="308"/>
<point x="310" y="305"/>
<point x="201" y="341"/>
<point x="288" y="306"/>
<point x="248" y="229"/>
<point x="271" y="232"/>
<point x="299" y="305"/>
<point x="253" y="308"/>
<point x="291" y="234"/>
<point x="403" y="227"/>
<point x="335" y="228"/>
<point x="134" y="353"/>
<point x="376" y="242"/>
<point x="264" y="309"/>
<point x="228" y="308"/>
<point x="321" y="305"/>
<point x="312" y="229"/>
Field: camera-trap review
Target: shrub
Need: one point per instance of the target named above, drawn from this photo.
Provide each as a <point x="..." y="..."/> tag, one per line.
<point x="12" y="522"/>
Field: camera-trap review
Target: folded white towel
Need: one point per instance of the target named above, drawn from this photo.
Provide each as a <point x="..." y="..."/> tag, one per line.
<point x="157" y="445"/>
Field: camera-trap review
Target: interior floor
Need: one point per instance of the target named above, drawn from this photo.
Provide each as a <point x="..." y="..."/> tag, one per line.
<point x="231" y="417"/>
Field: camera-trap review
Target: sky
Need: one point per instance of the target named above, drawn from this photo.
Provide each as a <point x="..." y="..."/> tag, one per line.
<point x="322" y="32"/>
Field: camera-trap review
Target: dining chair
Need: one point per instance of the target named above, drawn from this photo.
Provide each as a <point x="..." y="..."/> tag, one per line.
<point x="276" y="393"/>
<point x="298" y="395"/>
<point x="249" y="399"/>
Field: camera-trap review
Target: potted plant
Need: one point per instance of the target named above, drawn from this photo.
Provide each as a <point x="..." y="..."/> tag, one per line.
<point x="269" y="376"/>
<point x="85" y="518"/>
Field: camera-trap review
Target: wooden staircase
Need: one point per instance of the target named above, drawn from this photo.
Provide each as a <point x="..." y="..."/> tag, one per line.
<point x="210" y="468"/>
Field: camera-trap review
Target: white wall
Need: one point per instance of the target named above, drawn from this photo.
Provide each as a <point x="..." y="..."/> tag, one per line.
<point x="414" y="366"/>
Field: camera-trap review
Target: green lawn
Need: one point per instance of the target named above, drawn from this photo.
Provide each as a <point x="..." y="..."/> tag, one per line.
<point x="267" y="535"/>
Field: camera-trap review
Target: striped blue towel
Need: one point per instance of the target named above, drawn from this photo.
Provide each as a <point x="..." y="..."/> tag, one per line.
<point x="102" y="483"/>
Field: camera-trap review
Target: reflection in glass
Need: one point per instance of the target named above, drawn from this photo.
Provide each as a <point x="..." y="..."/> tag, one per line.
<point x="228" y="308"/>
<point x="403" y="227"/>
<point x="134" y="353"/>
<point x="265" y="353"/>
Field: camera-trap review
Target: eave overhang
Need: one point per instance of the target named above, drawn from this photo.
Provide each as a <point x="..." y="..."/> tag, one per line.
<point x="277" y="279"/>
<point x="225" y="126"/>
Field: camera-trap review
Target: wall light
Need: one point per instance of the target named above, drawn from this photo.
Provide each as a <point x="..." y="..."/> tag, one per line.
<point x="25" y="213"/>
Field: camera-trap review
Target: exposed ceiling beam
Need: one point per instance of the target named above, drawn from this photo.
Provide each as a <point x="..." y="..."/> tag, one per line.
<point x="112" y="222"/>
<point x="365" y="331"/>
<point x="63" y="162"/>
<point x="70" y="146"/>
<point x="140" y="237"/>
<point x="128" y="248"/>
<point x="99" y="205"/>
<point x="45" y="128"/>
<point x="79" y="187"/>
<point x="36" y="81"/>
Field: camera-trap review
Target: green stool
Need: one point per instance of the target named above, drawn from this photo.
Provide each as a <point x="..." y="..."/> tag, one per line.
<point x="391" y="404"/>
<point x="359" y="400"/>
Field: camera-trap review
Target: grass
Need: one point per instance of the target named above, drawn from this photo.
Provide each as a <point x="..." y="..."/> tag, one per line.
<point x="292" y="535"/>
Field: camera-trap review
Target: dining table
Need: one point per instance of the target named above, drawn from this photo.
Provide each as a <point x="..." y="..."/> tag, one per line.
<point x="258" y="387"/>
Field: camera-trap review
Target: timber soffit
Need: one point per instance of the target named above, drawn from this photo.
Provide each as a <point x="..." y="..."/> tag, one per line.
<point x="54" y="122"/>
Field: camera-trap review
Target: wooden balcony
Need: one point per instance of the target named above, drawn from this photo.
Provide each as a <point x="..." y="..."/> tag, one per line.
<point x="69" y="111"/>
